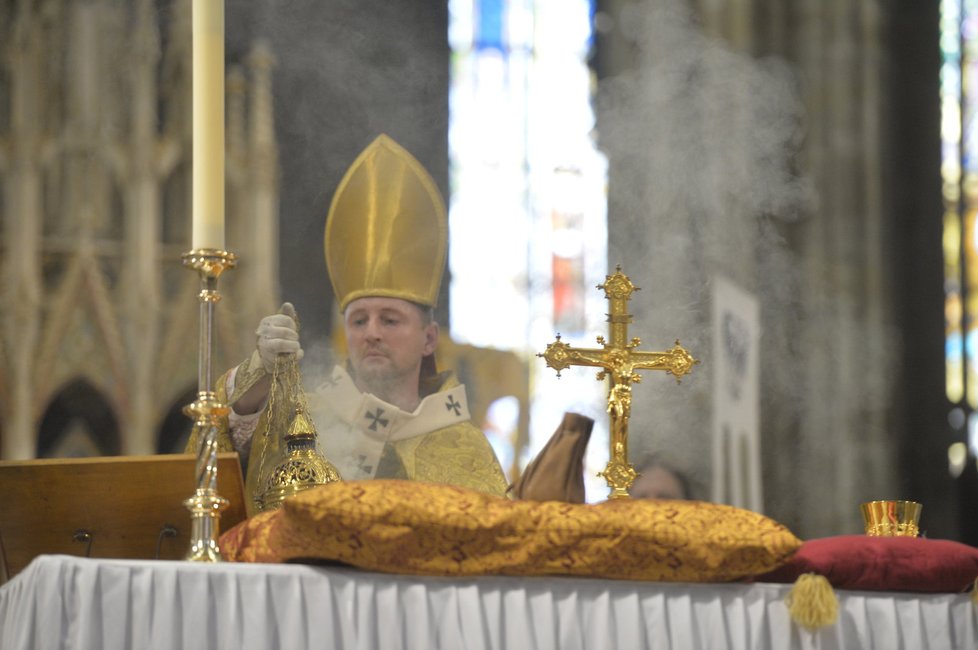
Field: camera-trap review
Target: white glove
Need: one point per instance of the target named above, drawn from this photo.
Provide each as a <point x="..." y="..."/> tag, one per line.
<point x="278" y="334"/>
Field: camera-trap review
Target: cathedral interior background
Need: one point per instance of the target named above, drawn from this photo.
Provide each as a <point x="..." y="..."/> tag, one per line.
<point x="790" y="150"/>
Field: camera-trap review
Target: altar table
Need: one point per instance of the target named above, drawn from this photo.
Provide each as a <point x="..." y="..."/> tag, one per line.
<point x="69" y="602"/>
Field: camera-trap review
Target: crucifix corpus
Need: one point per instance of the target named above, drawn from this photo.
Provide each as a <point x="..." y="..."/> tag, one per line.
<point x="618" y="360"/>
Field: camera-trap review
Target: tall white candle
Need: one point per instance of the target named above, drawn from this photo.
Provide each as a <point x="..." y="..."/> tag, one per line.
<point x="208" y="126"/>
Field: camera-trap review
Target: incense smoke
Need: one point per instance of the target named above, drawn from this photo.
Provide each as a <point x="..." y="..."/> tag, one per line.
<point x="703" y="141"/>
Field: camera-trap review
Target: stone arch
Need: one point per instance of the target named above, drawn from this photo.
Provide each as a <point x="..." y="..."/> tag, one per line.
<point x="79" y="421"/>
<point x="175" y="429"/>
<point x="175" y="195"/>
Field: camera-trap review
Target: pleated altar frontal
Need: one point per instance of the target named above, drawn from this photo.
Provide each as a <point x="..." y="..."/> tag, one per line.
<point x="69" y="602"/>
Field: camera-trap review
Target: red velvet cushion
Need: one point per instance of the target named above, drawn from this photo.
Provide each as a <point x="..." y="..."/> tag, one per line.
<point x="883" y="563"/>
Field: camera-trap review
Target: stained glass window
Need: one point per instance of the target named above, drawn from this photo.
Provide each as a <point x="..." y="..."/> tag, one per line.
<point x="959" y="172"/>
<point x="527" y="211"/>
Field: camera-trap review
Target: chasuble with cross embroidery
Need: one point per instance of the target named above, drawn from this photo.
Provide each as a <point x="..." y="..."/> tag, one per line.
<point x="365" y="437"/>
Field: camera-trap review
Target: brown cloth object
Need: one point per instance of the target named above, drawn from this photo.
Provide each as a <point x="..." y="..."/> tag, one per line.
<point x="557" y="473"/>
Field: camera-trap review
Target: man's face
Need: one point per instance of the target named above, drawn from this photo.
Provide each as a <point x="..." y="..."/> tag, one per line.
<point x="386" y="339"/>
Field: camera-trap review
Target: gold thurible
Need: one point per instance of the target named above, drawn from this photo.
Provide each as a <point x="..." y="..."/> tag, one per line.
<point x="206" y="504"/>
<point x="303" y="465"/>
<point x="618" y="359"/>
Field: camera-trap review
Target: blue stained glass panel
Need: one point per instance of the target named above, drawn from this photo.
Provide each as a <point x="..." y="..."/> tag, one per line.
<point x="489" y="25"/>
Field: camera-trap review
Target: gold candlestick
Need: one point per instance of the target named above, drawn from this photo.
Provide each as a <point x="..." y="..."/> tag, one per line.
<point x="206" y="505"/>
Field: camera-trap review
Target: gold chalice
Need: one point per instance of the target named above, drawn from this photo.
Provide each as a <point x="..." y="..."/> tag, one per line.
<point x="891" y="518"/>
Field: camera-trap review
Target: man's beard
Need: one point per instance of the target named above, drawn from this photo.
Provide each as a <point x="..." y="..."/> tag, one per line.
<point x="379" y="379"/>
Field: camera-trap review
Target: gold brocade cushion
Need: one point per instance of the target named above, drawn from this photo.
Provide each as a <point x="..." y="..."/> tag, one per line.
<point x="248" y="541"/>
<point x="421" y="528"/>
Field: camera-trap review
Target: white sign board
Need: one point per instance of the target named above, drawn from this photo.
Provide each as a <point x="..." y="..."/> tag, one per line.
<point x="736" y="396"/>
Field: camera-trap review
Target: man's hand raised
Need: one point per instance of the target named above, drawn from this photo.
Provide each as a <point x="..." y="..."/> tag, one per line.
<point x="278" y="334"/>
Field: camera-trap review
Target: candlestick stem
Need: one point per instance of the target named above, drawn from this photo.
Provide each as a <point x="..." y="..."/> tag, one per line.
<point x="206" y="504"/>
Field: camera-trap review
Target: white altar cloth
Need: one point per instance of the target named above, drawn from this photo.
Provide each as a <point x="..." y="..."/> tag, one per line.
<point x="68" y="602"/>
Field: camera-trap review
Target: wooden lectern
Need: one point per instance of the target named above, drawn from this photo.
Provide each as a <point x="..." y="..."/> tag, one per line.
<point x="106" y="507"/>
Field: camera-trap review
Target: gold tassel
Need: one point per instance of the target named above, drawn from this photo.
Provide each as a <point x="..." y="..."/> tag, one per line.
<point x="811" y="602"/>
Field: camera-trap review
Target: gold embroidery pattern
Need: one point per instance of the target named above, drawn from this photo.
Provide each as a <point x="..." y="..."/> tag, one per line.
<point x="421" y="528"/>
<point x="247" y="375"/>
<point x="248" y="541"/>
<point x="459" y="455"/>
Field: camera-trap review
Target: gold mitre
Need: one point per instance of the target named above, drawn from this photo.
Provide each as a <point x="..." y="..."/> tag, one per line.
<point x="387" y="231"/>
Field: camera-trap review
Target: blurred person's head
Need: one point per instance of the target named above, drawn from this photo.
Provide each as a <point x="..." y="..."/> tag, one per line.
<point x="659" y="480"/>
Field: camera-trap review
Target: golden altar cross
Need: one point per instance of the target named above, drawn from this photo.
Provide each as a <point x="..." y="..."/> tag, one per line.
<point x="618" y="360"/>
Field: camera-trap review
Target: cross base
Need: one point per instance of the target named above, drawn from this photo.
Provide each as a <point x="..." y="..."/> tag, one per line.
<point x="619" y="475"/>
